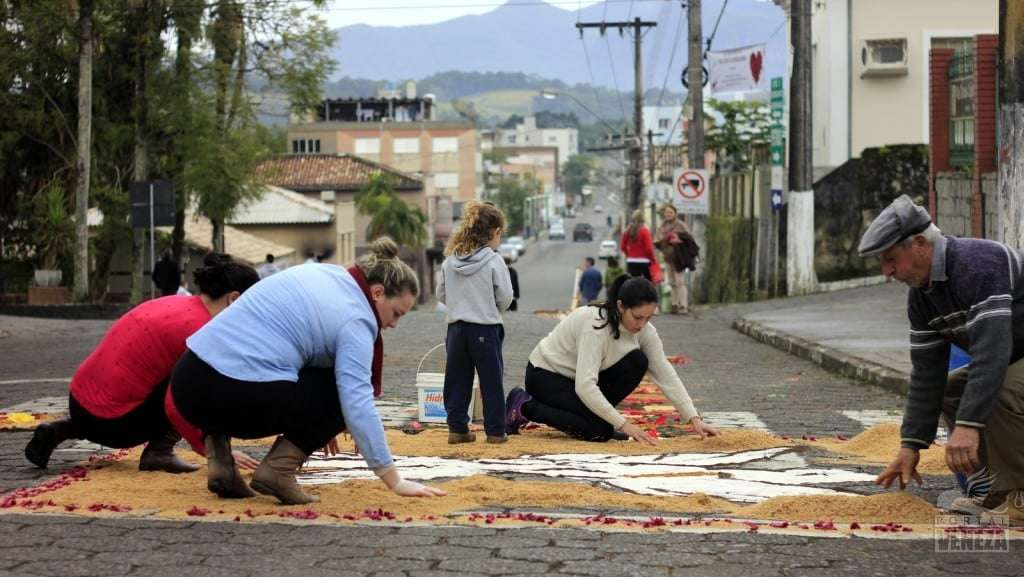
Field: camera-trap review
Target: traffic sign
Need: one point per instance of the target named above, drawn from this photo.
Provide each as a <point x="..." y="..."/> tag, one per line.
<point x="776" y="196"/>
<point x="692" y="188"/>
<point x="776" y="148"/>
<point x="778" y="99"/>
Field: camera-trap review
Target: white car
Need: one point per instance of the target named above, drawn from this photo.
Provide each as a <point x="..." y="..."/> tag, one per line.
<point x="518" y="242"/>
<point x="598" y="208"/>
<point x="557" y="231"/>
<point x="508" y="251"/>
<point x="609" y="249"/>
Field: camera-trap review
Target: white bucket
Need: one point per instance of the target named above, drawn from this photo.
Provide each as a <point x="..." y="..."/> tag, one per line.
<point x="430" y="395"/>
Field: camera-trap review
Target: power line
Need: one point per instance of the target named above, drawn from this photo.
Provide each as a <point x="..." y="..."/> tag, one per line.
<point x="717" y="22"/>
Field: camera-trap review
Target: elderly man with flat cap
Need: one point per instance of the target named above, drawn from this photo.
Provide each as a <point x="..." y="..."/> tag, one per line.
<point x="968" y="292"/>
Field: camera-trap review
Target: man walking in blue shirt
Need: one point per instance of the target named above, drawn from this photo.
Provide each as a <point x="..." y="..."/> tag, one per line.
<point x="590" y="282"/>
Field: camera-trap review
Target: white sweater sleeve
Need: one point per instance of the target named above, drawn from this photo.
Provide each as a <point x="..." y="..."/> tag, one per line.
<point x="664" y="374"/>
<point x="590" y="353"/>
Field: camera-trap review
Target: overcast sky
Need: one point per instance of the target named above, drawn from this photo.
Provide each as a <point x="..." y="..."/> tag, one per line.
<point x="412" y="12"/>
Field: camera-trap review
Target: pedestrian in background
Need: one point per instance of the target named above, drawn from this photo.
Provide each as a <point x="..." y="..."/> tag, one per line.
<point x="166" y="275"/>
<point x="676" y="245"/>
<point x="268" y="267"/>
<point x="475" y="286"/>
<point x="514" y="277"/>
<point x="116" y="396"/>
<point x="638" y="247"/>
<point x="612" y="272"/>
<point x="592" y="360"/>
<point x="590" y="282"/>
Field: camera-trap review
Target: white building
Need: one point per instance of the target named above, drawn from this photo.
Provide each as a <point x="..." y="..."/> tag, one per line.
<point x="566" y="140"/>
<point x="870" y="68"/>
<point x="667" y="123"/>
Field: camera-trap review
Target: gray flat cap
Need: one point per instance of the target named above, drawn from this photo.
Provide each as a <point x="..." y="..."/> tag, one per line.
<point x="901" y="219"/>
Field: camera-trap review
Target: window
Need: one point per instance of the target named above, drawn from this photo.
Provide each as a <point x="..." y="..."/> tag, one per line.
<point x="552" y="139"/>
<point x="662" y="123"/>
<point x="407" y="145"/>
<point x="446" y="144"/>
<point x="295" y="146"/>
<point x="511" y="138"/>
<point x="446" y="180"/>
<point x="367" y="146"/>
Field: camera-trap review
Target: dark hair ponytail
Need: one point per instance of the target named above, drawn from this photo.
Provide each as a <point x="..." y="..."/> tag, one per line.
<point x="220" y="274"/>
<point x="632" y="291"/>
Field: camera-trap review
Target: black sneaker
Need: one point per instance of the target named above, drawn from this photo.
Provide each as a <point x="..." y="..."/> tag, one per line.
<point x="514" y="417"/>
<point x="619" y="436"/>
<point x="44" y="440"/>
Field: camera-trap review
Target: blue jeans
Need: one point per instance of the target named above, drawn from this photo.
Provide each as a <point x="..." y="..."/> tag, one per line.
<point x="474" y="348"/>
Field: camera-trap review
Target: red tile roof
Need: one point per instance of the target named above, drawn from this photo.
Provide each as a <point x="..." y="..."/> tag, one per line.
<point x="316" y="172"/>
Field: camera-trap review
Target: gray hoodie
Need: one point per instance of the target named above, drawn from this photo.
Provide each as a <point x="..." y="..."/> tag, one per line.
<point x="479" y="286"/>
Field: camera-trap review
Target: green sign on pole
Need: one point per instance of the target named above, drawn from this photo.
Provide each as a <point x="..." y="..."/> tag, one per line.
<point x="777" y="99"/>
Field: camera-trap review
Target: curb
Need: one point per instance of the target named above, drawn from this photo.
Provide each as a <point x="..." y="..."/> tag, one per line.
<point x="831" y="359"/>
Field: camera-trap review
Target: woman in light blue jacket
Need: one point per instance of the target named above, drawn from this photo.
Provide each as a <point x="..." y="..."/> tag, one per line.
<point x="299" y="357"/>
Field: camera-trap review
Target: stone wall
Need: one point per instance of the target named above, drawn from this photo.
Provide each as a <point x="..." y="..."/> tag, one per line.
<point x="990" y="190"/>
<point x="953" y="203"/>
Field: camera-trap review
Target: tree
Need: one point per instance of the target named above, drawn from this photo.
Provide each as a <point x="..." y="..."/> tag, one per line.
<point x="578" y="172"/>
<point x="389" y="214"/>
<point x="743" y="125"/>
<point x="84" y="152"/>
<point x="511" y="199"/>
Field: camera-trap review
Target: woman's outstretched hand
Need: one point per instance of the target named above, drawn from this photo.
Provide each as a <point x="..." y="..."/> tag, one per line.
<point x="244" y="461"/>
<point x="703" y="429"/>
<point x="407" y="488"/>
<point x="637" y="434"/>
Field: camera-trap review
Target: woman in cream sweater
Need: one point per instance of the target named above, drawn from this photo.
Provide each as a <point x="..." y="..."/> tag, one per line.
<point x="593" y="360"/>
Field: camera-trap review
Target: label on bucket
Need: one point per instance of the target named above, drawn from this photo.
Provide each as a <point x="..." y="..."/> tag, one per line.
<point x="433" y="404"/>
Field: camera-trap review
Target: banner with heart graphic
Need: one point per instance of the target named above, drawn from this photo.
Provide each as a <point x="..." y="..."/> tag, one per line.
<point x="737" y="70"/>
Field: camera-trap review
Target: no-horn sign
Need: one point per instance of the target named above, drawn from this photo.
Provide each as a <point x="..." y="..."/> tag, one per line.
<point x="692" y="188"/>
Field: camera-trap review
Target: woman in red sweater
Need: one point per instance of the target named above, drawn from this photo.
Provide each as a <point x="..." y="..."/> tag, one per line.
<point x="117" y="393"/>
<point x="638" y="247"/>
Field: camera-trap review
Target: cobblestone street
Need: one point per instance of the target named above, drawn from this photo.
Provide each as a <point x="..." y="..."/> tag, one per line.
<point x="729" y="374"/>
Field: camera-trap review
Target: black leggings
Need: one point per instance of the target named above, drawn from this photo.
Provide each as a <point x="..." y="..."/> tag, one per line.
<point x="556" y="404"/>
<point x="639" y="269"/>
<point x="142" y="424"/>
<point x="306" y="412"/>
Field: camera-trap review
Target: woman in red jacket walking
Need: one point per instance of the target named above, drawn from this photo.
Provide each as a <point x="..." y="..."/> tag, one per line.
<point x="117" y="393"/>
<point x="638" y="247"/>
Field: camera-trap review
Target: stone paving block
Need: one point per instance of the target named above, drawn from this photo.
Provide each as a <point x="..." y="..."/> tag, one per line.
<point x="375" y="564"/>
<point x="666" y="558"/>
<point x="126" y="545"/>
<point x="138" y="524"/>
<point x="547" y="554"/>
<point x="612" y="569"/>
<point x="393" y="540"/>
<point x="437" y="552"/>
<point x="272" y="537"/>
<point x="497" y="541"/>
<point x="731" y="570"/>
<point x="48" y="519"/>
<point x="492" y="566"/>
<point x="449" y="531"/>
<point x="283" y="559"/>
<point x="443" y="574"/>
<point x="214" y="549"/>
<point x="189" y="571"/>
<point x="154" y="558"/>
<point x="83" y="568"/>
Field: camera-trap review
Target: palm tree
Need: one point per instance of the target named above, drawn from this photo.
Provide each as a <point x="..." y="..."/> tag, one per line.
<point x="389" y="214"/>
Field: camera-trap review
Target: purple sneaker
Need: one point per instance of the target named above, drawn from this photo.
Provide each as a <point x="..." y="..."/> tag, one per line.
<point x="514" y="418"/>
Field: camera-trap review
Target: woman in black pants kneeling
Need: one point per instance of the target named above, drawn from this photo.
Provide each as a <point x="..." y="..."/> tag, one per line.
<point x="593" y="360"/>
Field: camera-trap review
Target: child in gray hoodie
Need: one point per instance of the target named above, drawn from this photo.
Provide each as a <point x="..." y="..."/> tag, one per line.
<point x="475" y="286"/>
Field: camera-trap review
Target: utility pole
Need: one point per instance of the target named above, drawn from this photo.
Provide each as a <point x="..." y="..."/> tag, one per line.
<point x="695" y="90"/>
<point x="800" y="277"/>
<point x="1010" y="197"/>
<point x="636" y="148"/>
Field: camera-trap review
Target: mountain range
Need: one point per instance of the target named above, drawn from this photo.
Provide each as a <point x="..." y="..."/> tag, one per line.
<point x="542" y="40"/>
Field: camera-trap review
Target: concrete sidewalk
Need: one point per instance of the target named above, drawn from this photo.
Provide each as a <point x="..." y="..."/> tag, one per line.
<point x="859" y="333"/>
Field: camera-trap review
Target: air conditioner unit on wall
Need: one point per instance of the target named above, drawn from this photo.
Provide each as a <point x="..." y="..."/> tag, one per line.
<point x="883" y="57"/>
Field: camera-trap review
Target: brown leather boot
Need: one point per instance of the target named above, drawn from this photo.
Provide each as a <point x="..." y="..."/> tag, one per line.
<point x="159" y="456"/>
<point x="223" y="477"/>
<point x="276" y="474"/>
<point x="46" y="438"/>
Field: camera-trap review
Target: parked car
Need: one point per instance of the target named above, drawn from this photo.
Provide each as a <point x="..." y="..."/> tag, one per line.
<point x="509" y="251"/>
<point x="583" y="231"/>
<point x="518" y="242"/>
<point x="609" y="249"/>
<point x="557" y="231"/>
<point x="598" y="208"/>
